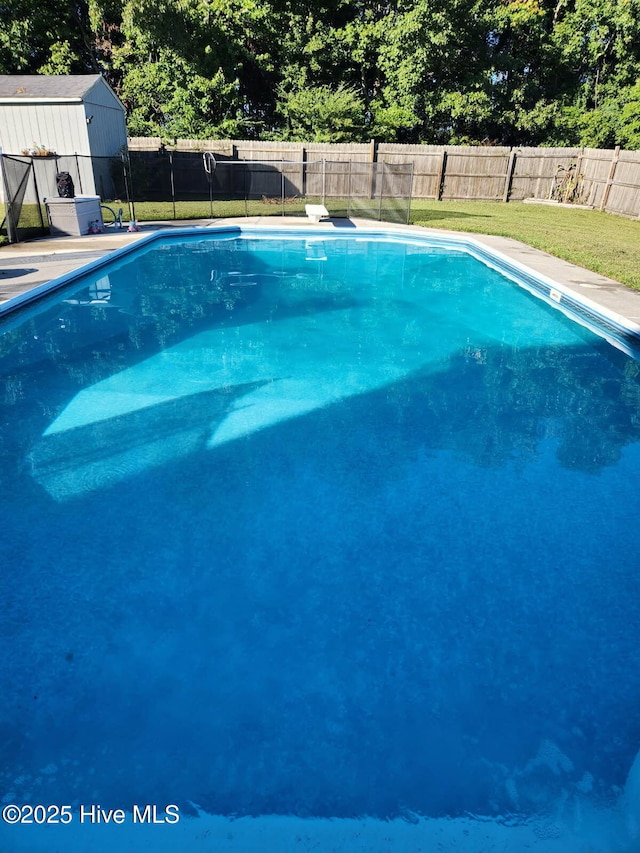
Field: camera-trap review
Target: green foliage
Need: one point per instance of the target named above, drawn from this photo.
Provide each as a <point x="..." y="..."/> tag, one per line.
<point x="629" y="125"/>
<point x="38" y="37"/>
<point x="62" y="59"/>
<point x="389" y="123"/>
<point x="320" y="114"/>
<point x="166" y="98"/>
<point x="14" y="45"/>
<point x="520" y="72"/>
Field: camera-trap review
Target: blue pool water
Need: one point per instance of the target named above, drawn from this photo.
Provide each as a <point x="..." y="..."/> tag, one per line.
<point x="324" y="528"/>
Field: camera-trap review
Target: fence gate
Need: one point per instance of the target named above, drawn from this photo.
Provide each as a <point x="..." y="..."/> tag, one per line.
<point x="17" y="175"/>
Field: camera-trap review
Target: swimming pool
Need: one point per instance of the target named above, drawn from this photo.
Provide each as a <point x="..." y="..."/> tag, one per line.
<point x="316" y="537"/>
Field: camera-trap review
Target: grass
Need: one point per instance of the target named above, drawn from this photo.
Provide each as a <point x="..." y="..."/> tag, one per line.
<point x="602" y="242"/>
<point x="150" y="211"/>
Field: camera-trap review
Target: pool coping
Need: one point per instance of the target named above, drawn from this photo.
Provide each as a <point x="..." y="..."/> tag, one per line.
<point x="45" y="265"/>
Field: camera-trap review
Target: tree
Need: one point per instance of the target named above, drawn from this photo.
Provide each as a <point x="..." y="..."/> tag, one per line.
<point x="206" y="61"/>
<point x="518" y="72"/>
<point x="45" y="38"/>
<point x="600" y="41"/>
<point x="322" y="114"/>
<point x="167" y="98"/>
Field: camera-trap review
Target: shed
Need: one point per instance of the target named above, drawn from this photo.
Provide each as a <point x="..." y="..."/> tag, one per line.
<point x="78" y="117"/>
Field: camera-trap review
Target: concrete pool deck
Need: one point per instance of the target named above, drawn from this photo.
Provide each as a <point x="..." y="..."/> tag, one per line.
<point x="24" y="266"/>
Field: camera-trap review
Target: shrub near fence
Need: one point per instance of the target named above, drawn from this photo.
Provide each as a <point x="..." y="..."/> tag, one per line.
<point x="604" y="178"/>
<point x="535" y="170"/>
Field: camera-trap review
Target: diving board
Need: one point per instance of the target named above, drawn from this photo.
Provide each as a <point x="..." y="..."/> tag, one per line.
<point x="316" y="212"/>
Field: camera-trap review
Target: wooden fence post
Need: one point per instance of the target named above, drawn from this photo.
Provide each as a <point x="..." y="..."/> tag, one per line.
<point x="509" y="176"/>
<point x="303" y="172"/>
<point x="441" y="175"/>
<point x="373" y="158"/>
<point x="612" y="174"/>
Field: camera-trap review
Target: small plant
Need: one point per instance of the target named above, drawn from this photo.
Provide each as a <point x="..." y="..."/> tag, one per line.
<point x="567" y="185"/>
<point x="37" y="151"/>
<point x="279" y="200"/>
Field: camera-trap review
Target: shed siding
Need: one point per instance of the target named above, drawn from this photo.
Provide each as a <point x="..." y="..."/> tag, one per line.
<point x="107" y="130"/>
<point x="60" y="127"/>
<point x="102" y="95"/>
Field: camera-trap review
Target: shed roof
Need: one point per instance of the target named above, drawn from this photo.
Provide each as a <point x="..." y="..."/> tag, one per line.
<point x="39" y="87"/>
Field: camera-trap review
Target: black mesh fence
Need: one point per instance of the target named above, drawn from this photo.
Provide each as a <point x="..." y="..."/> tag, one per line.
<point x="370" y="190"/>
<point x="190" y="176"/>
<point x="167" y="178"/>
<point x="27" y="183"/>
<point x="20" y="221"/>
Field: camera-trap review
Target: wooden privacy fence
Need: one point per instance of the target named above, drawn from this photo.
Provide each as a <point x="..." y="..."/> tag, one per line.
<point x="605" y="179"/>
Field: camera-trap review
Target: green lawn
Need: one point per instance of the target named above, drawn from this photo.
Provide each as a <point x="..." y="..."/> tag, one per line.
<point x="601" y="242"/>
<point x="150" y="211"/>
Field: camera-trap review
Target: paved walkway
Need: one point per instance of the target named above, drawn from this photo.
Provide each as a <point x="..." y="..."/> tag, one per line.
<point x="26" y="265"/>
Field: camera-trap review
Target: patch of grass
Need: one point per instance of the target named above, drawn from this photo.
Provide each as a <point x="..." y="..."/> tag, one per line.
<point x="602" y="242"/>
<point x="30" y="224"/>
<point x="149" y="211"/>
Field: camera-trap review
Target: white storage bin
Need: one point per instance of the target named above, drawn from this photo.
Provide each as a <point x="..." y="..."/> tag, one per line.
<point x="73" y="216"/>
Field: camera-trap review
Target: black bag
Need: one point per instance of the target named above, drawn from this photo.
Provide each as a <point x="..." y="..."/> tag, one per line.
<point x="65" y="185"/>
